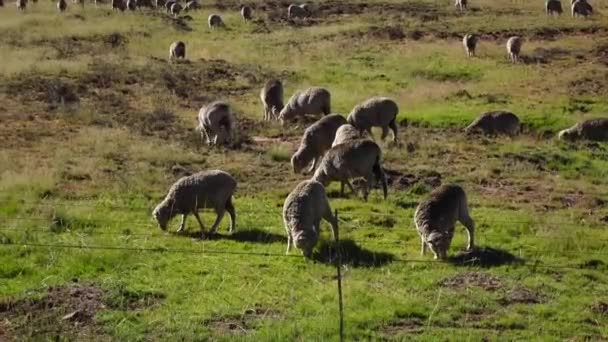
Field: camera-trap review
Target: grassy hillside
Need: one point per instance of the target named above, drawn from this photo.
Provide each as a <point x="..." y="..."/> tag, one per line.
<point x="95" y="125"/>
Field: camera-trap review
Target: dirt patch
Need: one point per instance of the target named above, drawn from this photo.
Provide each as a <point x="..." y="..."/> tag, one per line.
<point x="540" y="33"/>
<point x="522" y="295"/>
<point x="70" y="46"/>
<point x="601" y="52"/>
<point x="483" y="257"/>
<point x="472" y="279"/>
<point x="600" y="308"/>
<point x="403" y="327"/>
<point x="242" y="324"/>
<point x="590" y="85"/>
<point x="545" y="55"/>
<point x="404" y="181"/>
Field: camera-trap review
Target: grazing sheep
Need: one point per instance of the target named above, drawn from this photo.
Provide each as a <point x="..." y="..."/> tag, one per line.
<point x="62" y="5"/>
<point x="594" y="129"/>
<point x="246" y="12"/>
<point x="311" y="101"/>
<point x="131" y="5"/>
<point x="375" y="112"/>
<point x="215" y="21"/>
<point x="192" y="5"/>
<point x="514" y="48"/>
<point x="581" y="8"/>
<point x="177" y="50"/>
<point x="208" y="189"/>
<point x="176" y="8"/>
<point x="303" y="210"/>
<point x="461" y="4"/>
<point x="168" y="5"/>
<point x="470" y="44"/>
<point x="118" y="5"/>
<point x="316" y="141"/>
<point x="272" y="98"/>
<point x="499" y="122"/>
<point x="352" y="159"/>
<point x="21" y="4"/>
<point x="436" y="216"/>
<point x="347" y="132"/>
<point x="296" y="11"/>
<point x="553" y="7"/>
<point x="217" y="123"/>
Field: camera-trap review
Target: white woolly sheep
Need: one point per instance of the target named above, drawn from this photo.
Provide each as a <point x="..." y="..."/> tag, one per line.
<point x="317" y="139"/>
<point x="62" y="5"/>
<point x="553" y="7"/>
<point x="296" y="11"/>
<point x="470" y="44"/>
<point x="436" y="217"/>
<point x="208" y="189"/>
<point x="347" y="132"/>
<point x="215" y="21"/>
<point x="581" y="8"/>
<point x="498" y="122"/>
<point x="375" y="112"/>
<point x="246" y="12"/>
<point x="303" y="210"/>
<point x="514" y="48"/>
<point x="217" y="123"/>
<point x="312" y="101"/>
<point x="594" y="129"/>
<point x="272" y="99"/>
<point x="177" y="50"/>
<point x="352" y="159"/>
<point x="461" y="4"/>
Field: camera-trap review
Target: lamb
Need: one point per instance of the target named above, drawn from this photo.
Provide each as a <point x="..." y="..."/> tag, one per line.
<point x="21" y="4"/>
<point x="514" y="48"/>
<point x="246" y="12"/>
<point x="594" y="129"/>
<point x="375" y="112"/>
<point x="62" y="5"/>
<point x="436" y="216"/>
<point x="470" y="44"/>
<point x="461" y="4"/>
<point x="176" y="8"/>
<point x="295" y="11"/>
<point x="208" y="189"/>
<point x="215" y="21"/>
<point x="272" y="98"/>
<point x="358" y="158"/>
<point x="177" y="50"/>
<point x="498" y="122"/>
<point x="347" y="132"/>
<point x="553" y="7"/>
<point x="217" y="123"/>
<point x="316" y="141"/>
<point x="581" y="8"/>
<point x="311" y="101"/>
<point x="303" y="210"/>
<point x="118" y="5"/>
<point x="131" y="5"/>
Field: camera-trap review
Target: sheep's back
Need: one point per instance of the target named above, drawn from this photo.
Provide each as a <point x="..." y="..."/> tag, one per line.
<point x="439" y="211"/>
<point x="304" y="205"/>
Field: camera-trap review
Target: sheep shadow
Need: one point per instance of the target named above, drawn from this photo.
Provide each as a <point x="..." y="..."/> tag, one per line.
<point x="351" y="254"/>
<point x="247" y="235"/>
<point x="484" y="257"/>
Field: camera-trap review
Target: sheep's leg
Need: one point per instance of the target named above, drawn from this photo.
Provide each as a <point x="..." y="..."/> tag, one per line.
<point x="183" y="224"/>
<point x="313" y="167"/>
<point x="422" y="246"/>
<point x="289" y="242"/>
<point x="266" y="113"/>
<point x="469" y="224"/>
<point x="333" y="221"/>
<point x="232" y="214"/>
<point x="368" y="185"/>
<point x="200" y="222"/>
<point x="393" y="126"/>
<point x="220" y="216"/>
<point x="384" y="133"/>
<point x="341" y="189"/>
<point x="350" y="186"/>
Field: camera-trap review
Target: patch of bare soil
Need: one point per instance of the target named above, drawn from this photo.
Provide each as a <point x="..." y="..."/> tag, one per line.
<point x="405" y="181"/>
<point x="590" y="85"/>
<point x="545" y="55"/>
<point x="70" y="46"/>
<point x="466" y="280"/>
<point x="540" y="33"/>
<point x="601" y="52"/>
<point x="403" y="327"/>
<point x="242" y="324"/>
<point x="600" y="308"/>
<point x="522" y="295"/>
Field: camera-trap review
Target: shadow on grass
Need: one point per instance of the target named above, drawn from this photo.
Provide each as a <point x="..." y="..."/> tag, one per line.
<point x="249" y="235"/>
<point x="352" y="255"/>
<point x="484" y="257"/>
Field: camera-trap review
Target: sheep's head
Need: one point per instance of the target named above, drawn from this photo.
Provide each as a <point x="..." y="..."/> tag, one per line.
<point x="566" y="135"/>
<point x="439" y="243"/>
<point x="163" y="214"/>
<point x="306" y="241"/>
<point x="297" y="162"/>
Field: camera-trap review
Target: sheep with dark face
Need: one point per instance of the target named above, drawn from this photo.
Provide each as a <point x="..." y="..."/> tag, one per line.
<point x="352" y="159"/>
<point x="217" y="123"/>
<point x="209" y="189"/>
<point x="470" y="44"/>
<point x="303" y="210"/>
<point x="215" y="21"/>
<point x="177" y="50"/>
<point x="581" y="8"/>
<point x="436" y="217"/>
<point x="246" y="13"/>
<point x="594" y="130"/>
<point x="272" y="99"/>
<point x="168" y="5"/>
<point x="316" y="141"/>
<point x="553" y="7"/>
<point x="375" y="112"/>
<point x="312" y="101"/>
<point x="514" y="48"/>
<point x="499" y="122"/>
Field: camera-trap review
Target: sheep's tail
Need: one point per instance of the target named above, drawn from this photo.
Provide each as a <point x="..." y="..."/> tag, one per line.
<point x="379" y="174"/>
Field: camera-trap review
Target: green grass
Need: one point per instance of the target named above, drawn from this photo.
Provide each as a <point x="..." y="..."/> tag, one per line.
<point x="96" y="126"/>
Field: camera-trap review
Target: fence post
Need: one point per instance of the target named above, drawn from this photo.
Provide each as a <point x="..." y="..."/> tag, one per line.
<point x="339" y="269"/>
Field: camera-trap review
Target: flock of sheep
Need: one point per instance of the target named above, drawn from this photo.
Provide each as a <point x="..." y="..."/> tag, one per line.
<point x="337" y="149"/>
